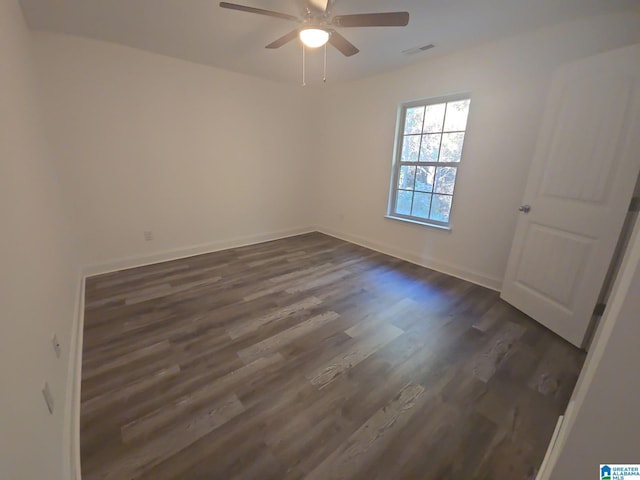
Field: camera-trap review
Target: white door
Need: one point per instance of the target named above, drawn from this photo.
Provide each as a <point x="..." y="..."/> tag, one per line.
<point x="582" y="176"/>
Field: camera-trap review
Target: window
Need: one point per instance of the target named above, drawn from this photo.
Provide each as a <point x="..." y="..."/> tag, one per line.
<point x="429" y="150"/>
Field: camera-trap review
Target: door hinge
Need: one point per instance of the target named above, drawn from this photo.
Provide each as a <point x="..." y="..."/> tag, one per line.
<point x="634" y="206"/>
<point x="599" y="310"/>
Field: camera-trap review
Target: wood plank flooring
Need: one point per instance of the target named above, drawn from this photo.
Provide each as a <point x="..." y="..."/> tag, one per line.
<point x="313" y="358"/>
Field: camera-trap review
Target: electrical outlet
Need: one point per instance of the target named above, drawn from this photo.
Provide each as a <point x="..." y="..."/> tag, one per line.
<point x="48" y="398"/>
<point x="148" y="235"/>
<point x="56" y="345"/>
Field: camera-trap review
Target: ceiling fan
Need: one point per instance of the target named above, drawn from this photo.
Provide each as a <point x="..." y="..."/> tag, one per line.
<point x="317" y="26"/>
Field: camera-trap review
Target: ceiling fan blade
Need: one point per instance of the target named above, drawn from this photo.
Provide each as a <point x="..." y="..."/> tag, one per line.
<point x="260" y="11"/>
<point x="284" y="39"/>
<point x="343" y="45"/>
<point x="319" y="5"/>
<point x="388" y="19"/>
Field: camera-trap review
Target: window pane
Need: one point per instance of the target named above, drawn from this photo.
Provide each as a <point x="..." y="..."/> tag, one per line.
<point x="413" y="120"/>
<point x="451" y="149"/>
<point x="445" y="179"/>
<point x="403" y="202"/>
<point x="433" y="118"/>
<point x="421" y="204"/>
<point x="407" y="177"/>
<point x="456" y="117"/>
<point x="410" y="148"/>
<point x="424" y="178"/>
<point x="430" y="148"/>
<point x="441" y="208"/>
<point x="430" y="152"/>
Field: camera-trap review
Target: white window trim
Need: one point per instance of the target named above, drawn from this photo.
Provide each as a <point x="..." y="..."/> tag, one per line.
<point x="397" y="152"/>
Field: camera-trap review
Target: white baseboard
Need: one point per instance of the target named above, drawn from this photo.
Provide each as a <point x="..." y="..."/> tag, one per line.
<point x="543" y="473"/>
<point x="74" y="376"/>
<point x="175" y="254"/>
<point x="483" y="280"/>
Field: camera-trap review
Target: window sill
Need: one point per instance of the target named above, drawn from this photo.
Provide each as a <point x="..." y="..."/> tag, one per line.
<point x="416" y="222"/>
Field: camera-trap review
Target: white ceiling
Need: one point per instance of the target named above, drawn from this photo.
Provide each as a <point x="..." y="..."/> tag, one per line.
<point x="202" y="32"/>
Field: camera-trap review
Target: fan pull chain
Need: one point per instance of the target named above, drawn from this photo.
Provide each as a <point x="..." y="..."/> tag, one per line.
<point x="304" y="80"/>
<point x="324" y="71"/>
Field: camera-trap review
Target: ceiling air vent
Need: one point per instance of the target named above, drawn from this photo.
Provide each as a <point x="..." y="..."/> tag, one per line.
<point x="414" y="50"/>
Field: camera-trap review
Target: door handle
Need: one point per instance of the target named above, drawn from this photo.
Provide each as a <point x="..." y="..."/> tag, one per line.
<point x="525" y="208"/>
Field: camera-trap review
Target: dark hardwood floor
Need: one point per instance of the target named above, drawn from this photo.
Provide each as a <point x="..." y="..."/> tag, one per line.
<point x="313" y="358"/>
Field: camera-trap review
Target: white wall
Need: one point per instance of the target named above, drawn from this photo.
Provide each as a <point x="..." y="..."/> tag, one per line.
<point x="508" y="81"/>
<point x="202" y="157"/>
<point x="38" y="278"/>
<point x="603" y="427"/>
<point x="207" y="159"/>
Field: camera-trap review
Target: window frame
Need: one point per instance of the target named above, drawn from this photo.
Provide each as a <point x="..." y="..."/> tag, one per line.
<point x="398" y="163"/>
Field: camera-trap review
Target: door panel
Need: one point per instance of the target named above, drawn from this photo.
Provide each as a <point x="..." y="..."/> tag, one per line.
<point x="581" y="181"/>
<point x="566" y="255"/>
<point x="596" y="123"/>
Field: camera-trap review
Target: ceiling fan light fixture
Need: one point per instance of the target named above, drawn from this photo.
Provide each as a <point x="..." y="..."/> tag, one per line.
<point x="314" y="37"/>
